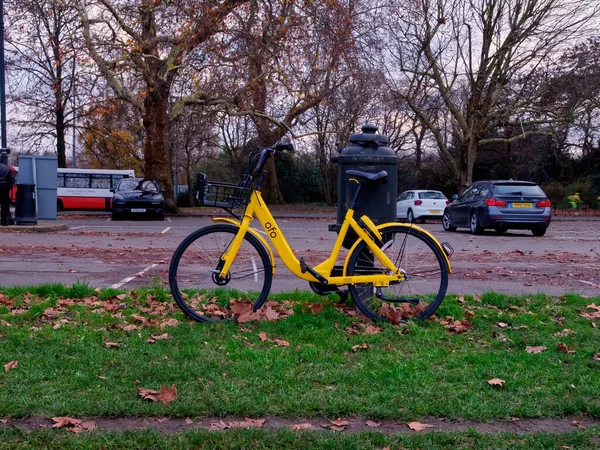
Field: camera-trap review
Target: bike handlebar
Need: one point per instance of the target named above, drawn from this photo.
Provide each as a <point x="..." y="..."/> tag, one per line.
<point x="266" y="153"/>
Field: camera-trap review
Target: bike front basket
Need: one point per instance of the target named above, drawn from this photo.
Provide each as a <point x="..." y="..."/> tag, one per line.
<point x="225" y="195"/>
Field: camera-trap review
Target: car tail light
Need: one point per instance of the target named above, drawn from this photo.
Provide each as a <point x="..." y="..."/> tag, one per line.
<point x="447" y="202"/>
<point x="544" y="203"/>
<point x="494" y="202"/>
<point x="418" y="202"/>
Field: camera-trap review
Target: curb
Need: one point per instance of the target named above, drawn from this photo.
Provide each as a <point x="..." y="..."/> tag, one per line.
<point x="37" y="228"/>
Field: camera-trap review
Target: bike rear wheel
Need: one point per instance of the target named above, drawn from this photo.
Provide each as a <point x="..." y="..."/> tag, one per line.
<point x="425" y="270"/>
<point x="194" y="281"/>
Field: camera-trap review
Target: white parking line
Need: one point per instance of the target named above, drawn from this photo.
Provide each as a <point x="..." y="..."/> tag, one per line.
<point x="128" y="279"/>
<point x="165" y="230"/>
<point x="169" y="219"/>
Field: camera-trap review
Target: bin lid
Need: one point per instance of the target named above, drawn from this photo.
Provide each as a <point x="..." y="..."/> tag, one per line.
<point x="368" y="147"/>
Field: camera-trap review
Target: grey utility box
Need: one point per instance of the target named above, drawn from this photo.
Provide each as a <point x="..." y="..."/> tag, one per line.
<point x="42" y="172"/>
<point x="367" y="152"/>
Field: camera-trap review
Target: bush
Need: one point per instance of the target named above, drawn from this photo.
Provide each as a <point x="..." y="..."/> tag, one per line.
<point x="556" y="193"/>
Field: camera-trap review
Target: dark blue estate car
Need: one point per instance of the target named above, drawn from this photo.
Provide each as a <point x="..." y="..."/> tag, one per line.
<point x="136" y="198"/>
<point x="500" y="205"/>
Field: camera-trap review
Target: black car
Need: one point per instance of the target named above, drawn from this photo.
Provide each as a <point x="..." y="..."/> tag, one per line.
<point x="501" y="205"/>
<point x="137" y="198"/>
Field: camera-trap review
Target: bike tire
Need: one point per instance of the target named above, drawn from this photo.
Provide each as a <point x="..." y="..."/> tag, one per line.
<point x="425" y="268"/>
<point x="193" y="280"/>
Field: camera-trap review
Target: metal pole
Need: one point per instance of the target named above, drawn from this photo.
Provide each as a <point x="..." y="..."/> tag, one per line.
<point x="3" y="149"/>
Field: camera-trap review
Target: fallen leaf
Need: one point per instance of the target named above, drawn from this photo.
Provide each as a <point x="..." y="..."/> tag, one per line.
<point x="339" y="422"/>
<point x="281" y="342"/>
<point x="111" y="344"/>
<point x="496" y="382"/>
<point x="302" y="426"/>
<point x="502" y="324"/>
<point x="371" y="330"/>
<point x="62" y="422"/>
<point x="219" y="425"/>
<point x="372" y="424"/>
<point x="597" y="356"/>
<point x="563" y="348"/>
<point x="358" y="347"/>
<point x="166" y="395"/>
<point x="10" y="365"/>
<point x="263" y="336"/>
<point x="418" y="426"/>
<point x="535" y="350"/>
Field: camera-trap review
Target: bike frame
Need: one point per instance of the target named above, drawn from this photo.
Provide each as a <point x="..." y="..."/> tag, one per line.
<point x="257" y="208"/>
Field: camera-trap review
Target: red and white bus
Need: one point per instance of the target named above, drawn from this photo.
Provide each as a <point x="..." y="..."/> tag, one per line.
<point x="87" y="188"/>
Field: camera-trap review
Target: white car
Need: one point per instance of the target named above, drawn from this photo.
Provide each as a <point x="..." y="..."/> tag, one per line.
<point x="421" y="204"/>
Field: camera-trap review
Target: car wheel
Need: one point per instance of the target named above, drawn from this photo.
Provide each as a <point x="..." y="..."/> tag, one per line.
<point x="501" y="229"/>
<point x="539" y="231"/>
<point x="59" y="205"/>
<point x="116" y="216"/>
<point x="446" y="222"/>
<point x="475" y="227"/>
<point x="410" y="216"/>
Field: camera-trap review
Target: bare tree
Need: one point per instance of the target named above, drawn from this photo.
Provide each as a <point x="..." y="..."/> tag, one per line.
<point x="276" y="64"/>
<point x="469" y="51"/>
<point x="149" y="41"/>
<point x="43" y="71"/>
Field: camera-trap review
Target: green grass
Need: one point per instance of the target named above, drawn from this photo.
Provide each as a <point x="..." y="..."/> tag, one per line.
<point x="406" y="373"/>
<point x="285" y="439"/>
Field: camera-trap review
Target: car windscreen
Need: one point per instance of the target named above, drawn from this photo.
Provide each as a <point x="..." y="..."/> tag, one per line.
<point x="517" y="189"/>
<point x="431" y="195"/>
<point x="128" y="185"/>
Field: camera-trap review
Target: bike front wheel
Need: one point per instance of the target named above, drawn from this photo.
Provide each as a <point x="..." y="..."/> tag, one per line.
<point x="425" y="269"/>
<point x="196" y="286"/>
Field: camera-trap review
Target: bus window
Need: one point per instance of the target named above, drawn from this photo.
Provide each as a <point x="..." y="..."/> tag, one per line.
<point x="77" y="180"/>
<point x="100" y="181"/>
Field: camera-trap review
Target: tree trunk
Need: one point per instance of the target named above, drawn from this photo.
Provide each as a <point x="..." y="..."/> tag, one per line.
<point x="157" y="156"/>
<point x="60" y="138"/>
<point x="468" y="153"/>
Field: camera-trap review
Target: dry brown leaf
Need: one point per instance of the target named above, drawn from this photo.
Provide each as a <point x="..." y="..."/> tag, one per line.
<point x="302" y="426"/>
<point x="111" y="344"/>
<point x="255" y="423"/>
<point x="64" y="422"/>
<point x="169" y="323"/>
<point x="502" y="324"/>
<point x="281" y="342"/>
<point x="597" y="356"/>
<point x="372" y="424"/>
<point x="339" y="422"/>
<point x="220" y="425"/>
<point x="10" y="365"/>
<point x="418" y="426"/>
<point x="563" y="348"/>
<point x="496" y="382"/>
<point x="592" y="315"/>
<point x="263" y="336"/>
<point x="161" y="337"/>
<point x="535" y="350"/>
<point x="358" y="347"/>
<point x="166" y="395"/>
<point x="371" y="330"/>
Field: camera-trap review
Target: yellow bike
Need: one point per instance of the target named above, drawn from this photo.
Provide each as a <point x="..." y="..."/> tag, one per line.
<point x="393" y="271"/>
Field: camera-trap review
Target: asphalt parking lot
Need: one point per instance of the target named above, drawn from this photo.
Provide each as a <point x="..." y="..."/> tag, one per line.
<point x="127" y="254"/>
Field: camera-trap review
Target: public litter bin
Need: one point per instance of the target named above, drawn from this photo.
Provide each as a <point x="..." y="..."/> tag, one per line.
<point x="25" y="213"/>
<point x="367" y="152"/>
